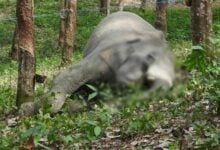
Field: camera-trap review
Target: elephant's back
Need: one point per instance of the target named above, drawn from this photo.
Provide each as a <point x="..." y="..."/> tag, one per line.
<point x="122" y="22"/>
<point x="117" y="27"/>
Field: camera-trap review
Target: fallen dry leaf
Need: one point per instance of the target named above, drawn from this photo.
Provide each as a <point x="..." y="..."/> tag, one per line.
<point x="29" y="144"/>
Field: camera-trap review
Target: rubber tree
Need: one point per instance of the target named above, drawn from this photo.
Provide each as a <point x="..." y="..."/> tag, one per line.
<point x="69" y="31"/>
<point x="105" y="6"/>
<point x="121" y="5"/>
<point x="26" y="69"/>
<point x="62" y="23"/>
<point x="143" y="4"/>
<point x="161" y="15"/>
<point x="201" y="20"/>
<point x="14" y="53"/>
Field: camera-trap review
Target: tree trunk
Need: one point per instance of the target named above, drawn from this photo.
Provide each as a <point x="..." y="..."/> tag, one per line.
<point x="208" y="17"/>
<point x="201" y="18"/>
<point x="26" y="70"/>
<point x="105" y="6"/>
<point x="143" y="4"/>
<point x="121" y="5"/>
<point x="70" y="28"/>
<point x="161" y="15"/>
<point x="15" y="48"/>
<point x="62" y="23"/>
<point x="188" y="3"/>
<point x="108" y="7"/>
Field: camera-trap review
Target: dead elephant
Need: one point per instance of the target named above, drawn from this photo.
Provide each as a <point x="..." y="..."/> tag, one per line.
<point x="124" y="49"/>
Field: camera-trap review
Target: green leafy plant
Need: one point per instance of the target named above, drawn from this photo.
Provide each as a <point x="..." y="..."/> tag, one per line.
<point x="90" y="128"/>
<point x="144" y="122"/>
<point x="94" y="92"/>
<point x="197" y="59"/>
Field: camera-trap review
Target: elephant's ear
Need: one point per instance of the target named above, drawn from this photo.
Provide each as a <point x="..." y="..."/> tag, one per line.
<point x="110" y="58"/>
<point x="115" y="56"/>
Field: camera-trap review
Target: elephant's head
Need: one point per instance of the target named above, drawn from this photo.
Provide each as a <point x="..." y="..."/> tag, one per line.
<point x="141" y="61"/>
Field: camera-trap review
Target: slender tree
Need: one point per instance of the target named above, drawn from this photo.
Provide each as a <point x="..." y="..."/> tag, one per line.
<point x="26" y="69"/>
<point x="121" y="5"/>
<point x="143" y="3"/>
<point x="161" y="15"/>
<point x="105" y="6"/>
<point x="188" y="2"/>
<point x="70" y="28"/>
<point x="108" y="7"/>
<point x="62" y="23"/>
<point x="14" y="53"/>
<point x="201" y="19"/>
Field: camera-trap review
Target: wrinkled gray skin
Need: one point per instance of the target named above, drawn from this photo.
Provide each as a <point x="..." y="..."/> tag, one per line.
<point x="124" y="49"/>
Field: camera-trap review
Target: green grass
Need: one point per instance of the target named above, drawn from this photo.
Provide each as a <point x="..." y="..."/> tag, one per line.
<point x="190" y="106"/>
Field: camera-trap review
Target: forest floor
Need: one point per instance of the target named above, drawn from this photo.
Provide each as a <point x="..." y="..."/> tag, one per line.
<point x="186" y="117"/>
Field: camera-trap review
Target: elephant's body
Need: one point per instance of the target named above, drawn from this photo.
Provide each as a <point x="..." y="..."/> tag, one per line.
<point x="123" y="48"/>
<point x="117" y="28"/>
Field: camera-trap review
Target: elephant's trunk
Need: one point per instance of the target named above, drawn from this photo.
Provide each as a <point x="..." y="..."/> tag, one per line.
<point x="67" y="82"/>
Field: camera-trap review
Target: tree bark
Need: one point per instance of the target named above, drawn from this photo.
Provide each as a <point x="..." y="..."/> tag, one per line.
<point x="15" y="47"/>
<point x="105" y="6"/>
<point x="108" y="7"/>
<point x="201" y="19"/>
<point x="208" y="18"/>
<point x="143" y="4"/>
<point x="26" y="69"/>
<point x="188" y="3"/>
<point x="161" y="15"/>
<point x="121" y="5"/>
<point x="62" y="23"/>
<point x="70" y="28"/>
